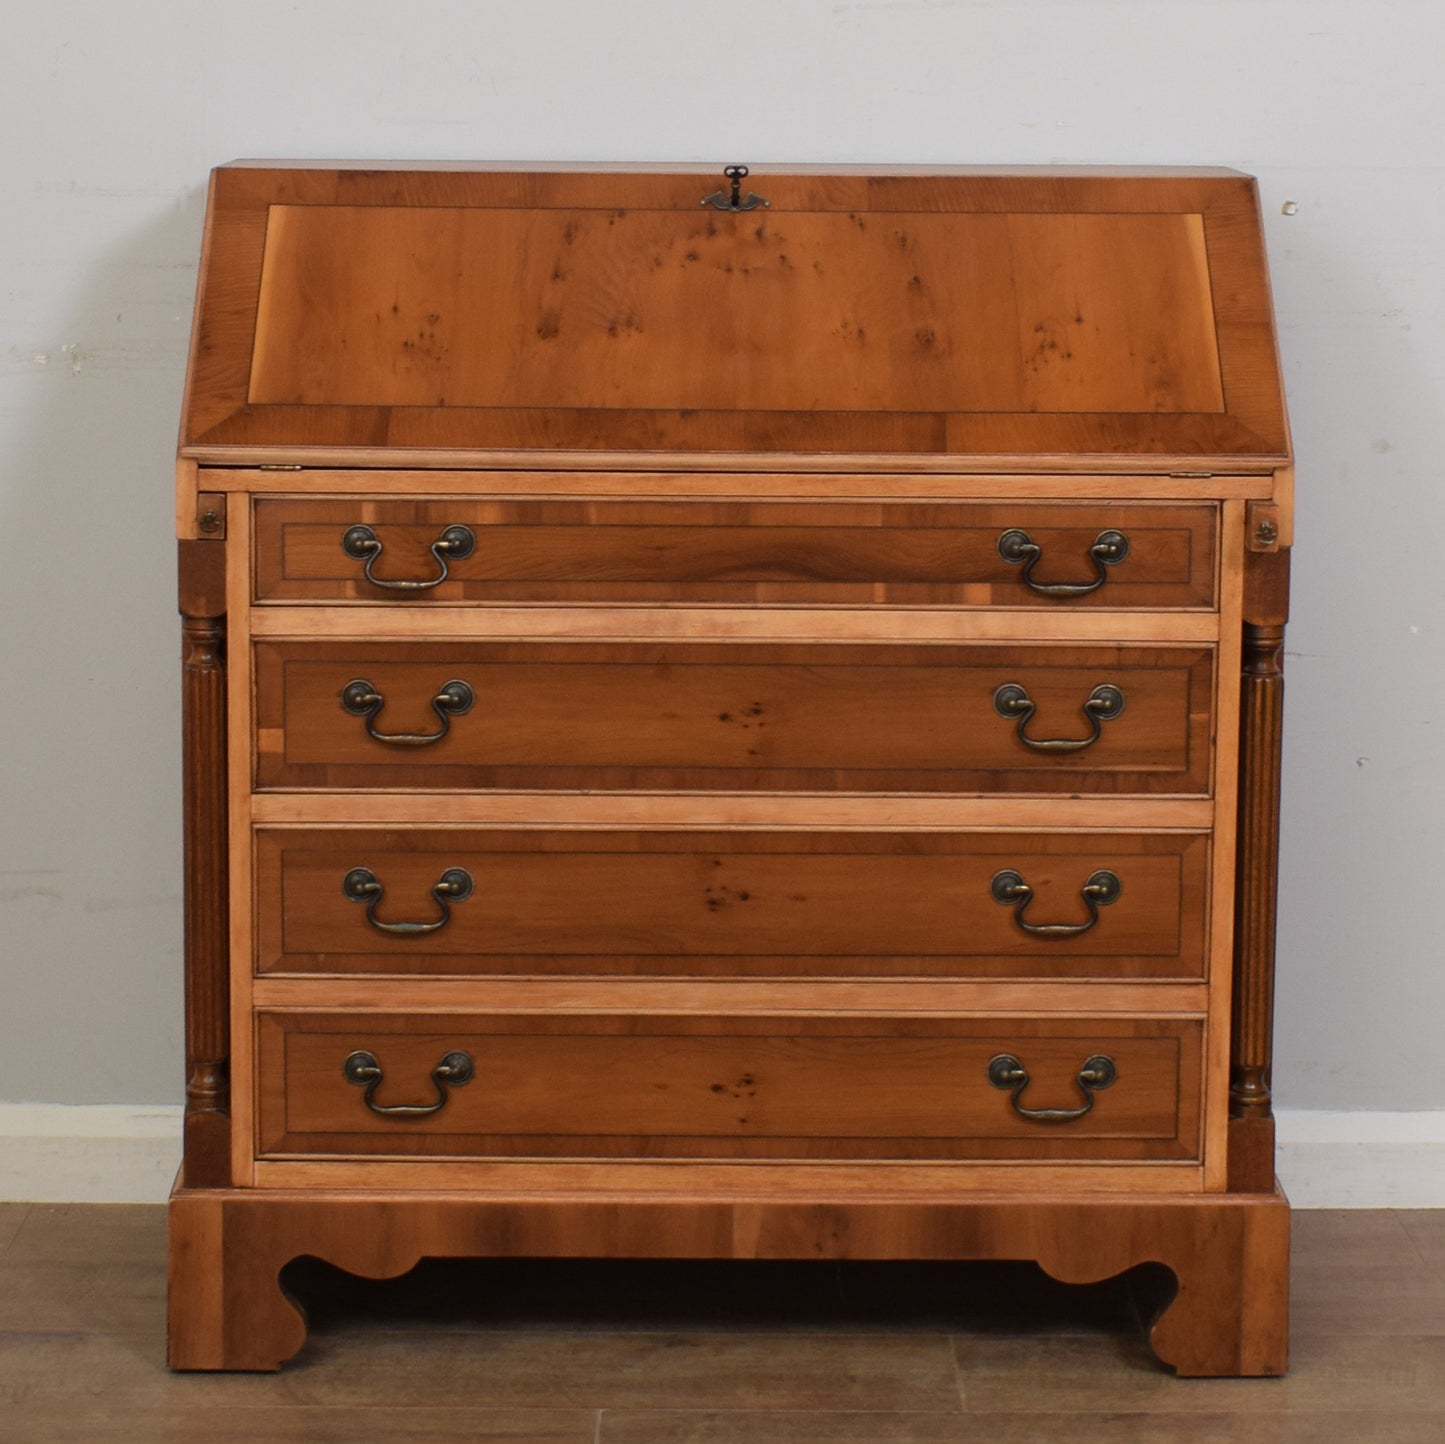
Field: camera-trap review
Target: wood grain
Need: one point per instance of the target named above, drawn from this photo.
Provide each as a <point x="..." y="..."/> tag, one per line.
<point x="777" y="553"/>
<point x="738" y="478"/>
<point x="886" y="718"/>
<point x="731" y="905"/>
<point x="671" y="1180"/>
<point x="805" y="997"/>
<point x="711" y="811"/>
<point x="1224" y="845"/>
<point x="587" y="1085"/>
<point x="1068" y="315"/>
<point x="806" y="311"/>
<point x="1230" y="1253"/>
<point x="240" y="726"/>
<point x="680" y="622"/>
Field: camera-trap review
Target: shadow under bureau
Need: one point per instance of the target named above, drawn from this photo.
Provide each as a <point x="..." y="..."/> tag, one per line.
<point x="731" y="717"/>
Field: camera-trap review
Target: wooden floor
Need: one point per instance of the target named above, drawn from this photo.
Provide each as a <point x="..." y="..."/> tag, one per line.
<point x="649" y="1353"/>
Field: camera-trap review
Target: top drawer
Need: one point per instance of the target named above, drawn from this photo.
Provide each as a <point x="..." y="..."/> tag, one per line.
<point x="984" y="554"/>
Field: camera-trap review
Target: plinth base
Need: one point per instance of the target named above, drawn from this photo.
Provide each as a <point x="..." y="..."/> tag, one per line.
<point x="1229" y="1253"/>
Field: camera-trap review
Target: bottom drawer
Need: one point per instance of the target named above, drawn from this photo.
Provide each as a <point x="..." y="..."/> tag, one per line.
<point x="756" y="1087"/>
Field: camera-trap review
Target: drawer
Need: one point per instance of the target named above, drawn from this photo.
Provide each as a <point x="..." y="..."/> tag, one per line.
<point x="737" y="904"/>
<point x="853" y="553"/>
<point x="735" y="717"/>
<point x="729" y="1087"/>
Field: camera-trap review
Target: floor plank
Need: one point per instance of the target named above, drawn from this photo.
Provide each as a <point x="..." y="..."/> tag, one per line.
<point x="168" y="1424"/>
<point x="1355" y="1375"/>
<point x="510" y="1369"/>
<point x="974" y="1428"/>
<point x="657" y="1352"/>
<point x="12" y="1215"/>
<point x="105" y="1234"/>
<point x="125" y="1300"/>
<point x="1425" y="1228"/>
<point x="1352" y="1300"/>
<point x="1336" y="1237"/>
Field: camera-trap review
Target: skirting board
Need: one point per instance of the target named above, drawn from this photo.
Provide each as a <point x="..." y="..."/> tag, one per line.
<point x="116" y="1153"/>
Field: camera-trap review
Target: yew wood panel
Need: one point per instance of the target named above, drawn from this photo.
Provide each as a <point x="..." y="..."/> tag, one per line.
<point x="727" y="1087"/>
<point x="730" y="904"/>
<point x="699" y="311"/>
<point x="736" y="717"/>
<point x="1059" y="314"/>
<point x="734" y="551"/>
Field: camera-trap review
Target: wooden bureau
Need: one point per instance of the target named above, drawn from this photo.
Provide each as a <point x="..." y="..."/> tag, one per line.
<point x="731" y="716"/>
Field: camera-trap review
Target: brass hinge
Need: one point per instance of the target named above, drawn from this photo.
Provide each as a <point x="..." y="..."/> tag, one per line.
<point x="279" y="466"/>
<point x="211" y="515"/>
<point x="1191" y="475"/>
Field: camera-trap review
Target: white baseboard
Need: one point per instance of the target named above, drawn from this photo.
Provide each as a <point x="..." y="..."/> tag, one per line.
<point x="1361" y="1160"/>
<point x="117" y="1153"/>
<point x="98" y="1153"/>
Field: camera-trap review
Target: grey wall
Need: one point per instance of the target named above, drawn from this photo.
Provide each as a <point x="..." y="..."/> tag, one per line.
<point x="113" y="114"/>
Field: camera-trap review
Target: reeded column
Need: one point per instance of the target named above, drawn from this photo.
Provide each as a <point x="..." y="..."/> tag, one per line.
<point x="203" y="684"/>
<point x="1261" y="719"/>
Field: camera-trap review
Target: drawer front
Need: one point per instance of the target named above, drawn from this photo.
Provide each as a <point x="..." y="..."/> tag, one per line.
<point x="860" y="553"/>
<point x="727" y="1087"/>
<point x="734" y="717"/>
<point x="729" y="904"/>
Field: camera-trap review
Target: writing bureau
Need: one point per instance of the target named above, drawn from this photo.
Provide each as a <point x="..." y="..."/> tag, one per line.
<point x="731" y="716"/>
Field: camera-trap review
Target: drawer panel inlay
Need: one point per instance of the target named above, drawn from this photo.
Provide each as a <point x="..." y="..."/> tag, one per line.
<point x="724" y="1087"/>
<point x="726" y="904"/>
<point x="747" y="717"/>
<point x="918" y="553"/>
